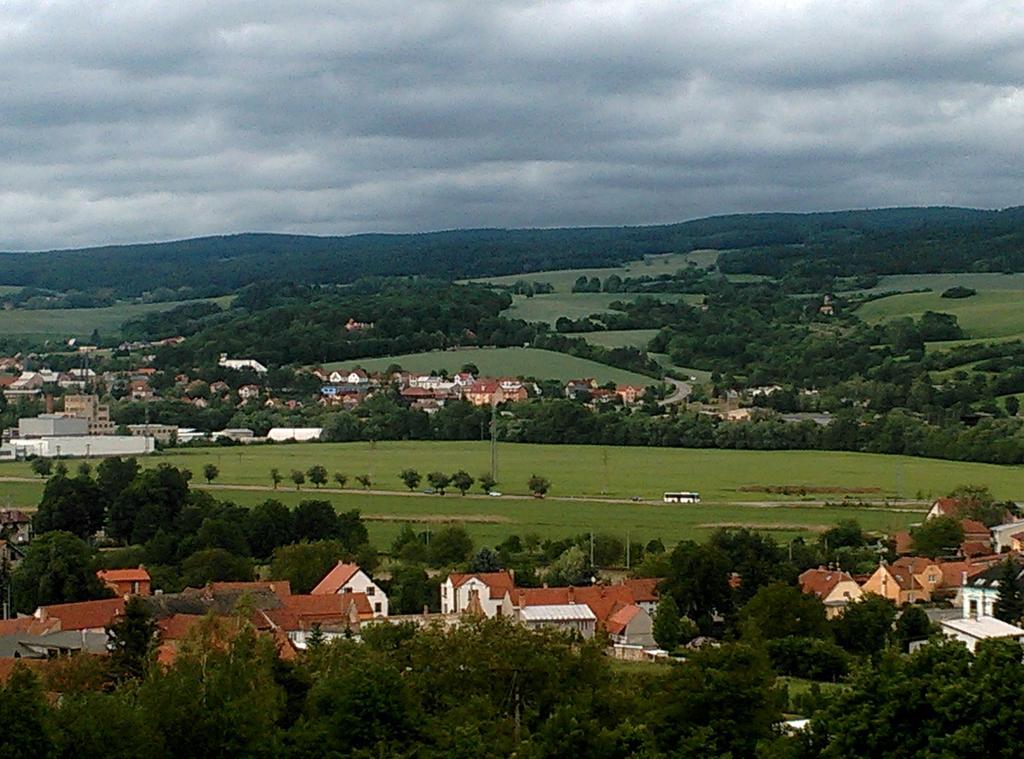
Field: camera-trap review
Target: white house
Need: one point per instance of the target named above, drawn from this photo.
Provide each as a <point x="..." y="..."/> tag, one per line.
<point x="979" y="594"/>
<point x="239" y="364"/>
<point x="973" y="630"/>
<point x="1003" y="535"/>
<point x="491" y="592"/>
<point x="349" y="578"/>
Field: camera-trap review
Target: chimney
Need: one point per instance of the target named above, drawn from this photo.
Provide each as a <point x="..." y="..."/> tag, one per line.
<point x="49" y="403"/>
<point x="572" y="595"/>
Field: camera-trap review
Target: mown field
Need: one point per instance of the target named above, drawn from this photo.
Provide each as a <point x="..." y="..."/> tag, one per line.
<point x="989" y="314"/>
<point x="79" y="322"/>
<point x="527" y="362"/>
<point x="563" y="279"/>
<point x="940" y="282"/>
<point x="549" y="307"/>
<point x="734" y="486"/>
<point x="622" y="338"/>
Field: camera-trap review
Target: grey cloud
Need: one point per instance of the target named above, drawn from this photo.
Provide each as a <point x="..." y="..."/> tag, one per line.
<point x="138" y="120"/>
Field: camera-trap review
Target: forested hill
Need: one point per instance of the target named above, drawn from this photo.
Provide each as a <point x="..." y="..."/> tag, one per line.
<point x="844" y="242"/>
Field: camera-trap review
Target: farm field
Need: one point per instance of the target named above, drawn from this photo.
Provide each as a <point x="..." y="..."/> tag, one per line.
<point x="989" y="314"/>
<point x="941" y="282"/>
<point x="732" y="484"/>
<point x="80" y="322"/>
<point x="528" y="362"/>
<point x="562" y="279"/>
<point x="549" y="307"/>
<point x="491" y="520"/>
<point x="623" y="338"/>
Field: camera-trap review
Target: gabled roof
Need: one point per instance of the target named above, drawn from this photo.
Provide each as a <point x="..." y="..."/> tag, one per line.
<point x="85" y="615"/>
<point x="498" y="583"/>
<point x="139" y="574"/>
<point x="974" y="527"/>
<point x="280" y="588"/>
<point x="618" y="621"/>
<point x="971" y="548"/>
<point x="557" y="613"/>
<point x="335" y="579"/>
<point x="913" y="564"/>
<point x="643" y="588"/>
<point x="820" y="582"/>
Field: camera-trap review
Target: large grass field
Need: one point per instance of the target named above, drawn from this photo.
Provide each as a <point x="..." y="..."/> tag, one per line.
<point x="549" y="307"/>
<point x="80" y="322"/>
<point x="623" y="338"/>
<point x="499" y="362"/>
<point x="940" y="282"/>
<point x="563" y="279"/>
<point x="989" y="314"/>
<point x="731" y="484"/>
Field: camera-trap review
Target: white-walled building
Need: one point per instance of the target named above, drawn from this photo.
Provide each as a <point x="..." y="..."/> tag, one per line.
<point x="490" y="591"/>
<point x="238" y="364"/>
<point x="298" y="434"/>
<point x="971" y="631"/>
<point x="349" y="578"/>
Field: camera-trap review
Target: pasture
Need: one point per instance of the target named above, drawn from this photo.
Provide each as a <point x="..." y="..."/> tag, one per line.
<point x="591" y="486"/>
<point x="563" y="279"/>
<point x="500" y="362"/>
<point x="989" y="314"/>
<point x="80" y="322"/>
<point x="549" y="307"/>
<point x="622" y="338"/>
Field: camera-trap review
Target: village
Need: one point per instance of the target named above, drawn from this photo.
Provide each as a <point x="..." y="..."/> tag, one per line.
<point x="960" y="596"/>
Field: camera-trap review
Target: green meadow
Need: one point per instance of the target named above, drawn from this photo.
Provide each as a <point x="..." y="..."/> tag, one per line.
<point x="80" y="322"/>
<point x="989" y="314"/>
<point x="550" y="306"/>
<point x="498" y="362"/>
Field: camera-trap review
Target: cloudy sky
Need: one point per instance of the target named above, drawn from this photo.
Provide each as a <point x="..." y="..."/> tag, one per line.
<point x="128" y="121"/>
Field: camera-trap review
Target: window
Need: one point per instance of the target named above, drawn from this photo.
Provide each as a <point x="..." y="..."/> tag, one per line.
<point x="376" y="607"/>
<point x="346" y="589"/>
<point x="369" y="590"/>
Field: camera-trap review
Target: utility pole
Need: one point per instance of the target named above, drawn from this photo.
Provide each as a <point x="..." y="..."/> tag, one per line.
<point x="604" y="459"/>
<point x="627" y="549"/>
<point x="591" y="549"/>
<point x="494" y="442"/>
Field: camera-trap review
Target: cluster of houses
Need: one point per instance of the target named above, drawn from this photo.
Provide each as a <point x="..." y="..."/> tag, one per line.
<point x="969" y="581"/>
<point x="340" y="605"/>
<point x="430" y="392"/>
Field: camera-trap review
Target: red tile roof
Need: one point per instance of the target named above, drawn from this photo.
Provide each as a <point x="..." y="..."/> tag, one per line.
<point x="973" y="527"/>
<point x="904" y="543"/>
<point x="971" y="548"/>
<point x="644" y="588"/>
<point x="498" y="583"/>
<point x="335" y="579"/>
<point x="123" y="575"/>
<point x="617" y="622"/>
<point x="85" y="615"/>
<point x="177" y="626"/>
<point x="28" y="626"/>
<point x="820" y="582"/>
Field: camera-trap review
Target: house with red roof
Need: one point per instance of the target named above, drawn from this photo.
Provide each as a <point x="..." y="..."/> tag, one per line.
<point x="609" y="604"/>
<point x="490" y="593"/>
<point x="834" y="588"/>
<point x="90" y="616"/>
<point x="126" y="582"/>
<point x="898" y="584"/>
<point x="349" y="578"/>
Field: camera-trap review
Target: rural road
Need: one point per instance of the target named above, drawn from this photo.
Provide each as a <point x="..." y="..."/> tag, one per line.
<point x="681" y="393"/>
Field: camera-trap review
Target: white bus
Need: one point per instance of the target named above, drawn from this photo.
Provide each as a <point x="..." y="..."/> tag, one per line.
<point x="681" y="497"/>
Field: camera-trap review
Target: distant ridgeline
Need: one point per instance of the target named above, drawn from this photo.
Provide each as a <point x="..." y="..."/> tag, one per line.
<point x="843" y="243"/>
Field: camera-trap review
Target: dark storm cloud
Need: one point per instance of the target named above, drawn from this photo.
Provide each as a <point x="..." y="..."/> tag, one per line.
<point x="149" y="120"/>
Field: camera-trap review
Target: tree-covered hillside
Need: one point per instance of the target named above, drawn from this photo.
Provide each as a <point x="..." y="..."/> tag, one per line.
<point x="878" y="241"/>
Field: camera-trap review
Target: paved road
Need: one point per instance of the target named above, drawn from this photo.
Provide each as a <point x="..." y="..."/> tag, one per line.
<point x="681" y="393"/>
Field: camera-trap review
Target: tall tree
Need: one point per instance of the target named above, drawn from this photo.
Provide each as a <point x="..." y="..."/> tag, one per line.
<point x="1010" y="606"/>
<point x="666" y="629"/>
<point x="410" y="477"/>
<point x="317" y="474"/>
<point x="58" y="568"/>
<point x="132" y="640"/>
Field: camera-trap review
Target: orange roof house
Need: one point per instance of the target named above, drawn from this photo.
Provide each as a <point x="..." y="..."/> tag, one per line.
<point x="124" y="582"/>
<point x="84" y="615"/>
<point x="836" y="589"/>
<point x="899" y="585"/>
